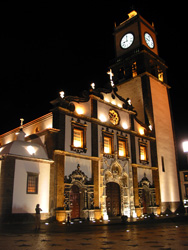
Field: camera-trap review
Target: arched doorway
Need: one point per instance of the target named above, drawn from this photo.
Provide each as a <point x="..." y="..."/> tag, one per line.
<point x="75" y="202"/>
<point x="113" y="202"/>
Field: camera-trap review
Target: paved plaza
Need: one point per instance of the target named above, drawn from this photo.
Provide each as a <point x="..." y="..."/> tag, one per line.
<point x="54" y="236"/>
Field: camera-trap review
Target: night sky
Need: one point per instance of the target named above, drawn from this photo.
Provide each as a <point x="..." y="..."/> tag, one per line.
<point x="50" y="47"/>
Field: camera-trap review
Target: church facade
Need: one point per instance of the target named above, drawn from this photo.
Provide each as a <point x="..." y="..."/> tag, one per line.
<point x="109" y="153"/>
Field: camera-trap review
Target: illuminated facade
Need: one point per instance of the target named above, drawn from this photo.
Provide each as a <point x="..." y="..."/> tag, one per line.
<point x="105" y="159"/>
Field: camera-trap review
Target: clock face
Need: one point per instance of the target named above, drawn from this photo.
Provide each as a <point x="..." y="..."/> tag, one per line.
<point x="114" y="117"/>
<point x="149" y="40"/>
<point x="127" y="40"/>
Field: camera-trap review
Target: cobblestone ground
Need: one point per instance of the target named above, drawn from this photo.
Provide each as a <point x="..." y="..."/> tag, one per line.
<point x="53" y="237"/>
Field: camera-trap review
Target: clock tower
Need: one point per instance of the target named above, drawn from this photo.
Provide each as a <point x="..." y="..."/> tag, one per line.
<point x="140" y="74"/>
<point x="141" y="32"/>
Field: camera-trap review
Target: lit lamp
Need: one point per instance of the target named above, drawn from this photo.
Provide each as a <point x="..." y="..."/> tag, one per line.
<point x="185" y="148"/>
<point x="31" y="150"/>
<point x="79" y="110"/>
<point x="62" y="94"/>
<point x="93" y="85"/>
<point x="141" y="131"/>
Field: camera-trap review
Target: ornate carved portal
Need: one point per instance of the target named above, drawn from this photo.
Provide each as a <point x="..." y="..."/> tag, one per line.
<point x="79" y="195"/>
<point x="117" y="189"/>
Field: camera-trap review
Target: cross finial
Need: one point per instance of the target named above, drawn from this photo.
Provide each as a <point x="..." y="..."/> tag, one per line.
<point x="21" y="122"/>
<point x="111" y="75"/>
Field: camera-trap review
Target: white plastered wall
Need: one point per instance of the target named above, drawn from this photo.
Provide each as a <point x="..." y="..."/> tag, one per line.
<point x="26" y="203"/>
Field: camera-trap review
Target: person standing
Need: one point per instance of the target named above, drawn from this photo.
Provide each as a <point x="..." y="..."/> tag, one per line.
<point x="68" y="220"/>
<point x="37" y="216"/>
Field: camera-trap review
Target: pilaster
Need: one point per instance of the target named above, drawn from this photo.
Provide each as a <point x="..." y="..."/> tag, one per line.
<point x="95" y="172"/>
<point x="59" y="164"/>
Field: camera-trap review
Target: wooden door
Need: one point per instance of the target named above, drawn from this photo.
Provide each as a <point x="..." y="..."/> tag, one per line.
<point x="75" y="202"/>
<point x="144" y="202"/>
<point x="113" y="202"/>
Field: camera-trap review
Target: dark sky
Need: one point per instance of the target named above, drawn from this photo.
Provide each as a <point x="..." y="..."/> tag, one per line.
<point x="46" y="47"/>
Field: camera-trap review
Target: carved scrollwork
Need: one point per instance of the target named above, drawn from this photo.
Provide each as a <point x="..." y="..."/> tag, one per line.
<point x="78" y="175"/>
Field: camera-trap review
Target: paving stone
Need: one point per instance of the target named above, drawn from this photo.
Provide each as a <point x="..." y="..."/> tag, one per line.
<point x="119" y="236"/>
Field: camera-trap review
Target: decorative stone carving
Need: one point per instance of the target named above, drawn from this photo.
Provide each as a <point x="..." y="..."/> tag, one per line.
<point x="78" y="175"/>
<point x="118" y="171"/>
<point x="86" y="190"/>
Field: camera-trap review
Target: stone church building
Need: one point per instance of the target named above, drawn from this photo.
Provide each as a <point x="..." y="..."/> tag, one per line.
<point x="108" y="153"/>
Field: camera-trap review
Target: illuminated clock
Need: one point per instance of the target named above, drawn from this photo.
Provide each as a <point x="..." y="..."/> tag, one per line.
<point x="127" y="40"/>
<point x="114" y="117"/>
<point x="149" y="40"/>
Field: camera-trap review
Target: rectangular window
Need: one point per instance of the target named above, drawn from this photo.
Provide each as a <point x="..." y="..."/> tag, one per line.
<point x="186" y="176"/>
<point x="134" y="69"/>
<point x="123" y="146"/>
<point x="143" y="153"/>
<point x="160" y="75"/>
<point x="32" y="183"/>
<point x="107" y="145"/>
<point x="186" y="191"/>
<point x="78" y="138"/>
<point x="162" y="161"/>
<point x="108" y="141"/>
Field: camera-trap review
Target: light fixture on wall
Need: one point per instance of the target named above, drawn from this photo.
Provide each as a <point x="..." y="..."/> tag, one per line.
<point x="113" y="102"/>
<point x="79" y="110"/>
<point x="106" y="99"/>
<point x="31" y="150"/>
<point x="185" y="148"/>
<point x="102" y="118"/>
<point x="141" y="131"/>
<point x="124" y="125"/>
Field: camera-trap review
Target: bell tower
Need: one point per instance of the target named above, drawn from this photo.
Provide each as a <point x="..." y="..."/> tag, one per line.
<point x="140" y="74"/>
<point x="134" y="32"/>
